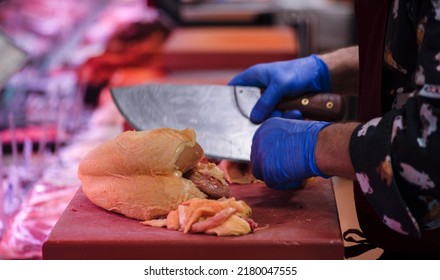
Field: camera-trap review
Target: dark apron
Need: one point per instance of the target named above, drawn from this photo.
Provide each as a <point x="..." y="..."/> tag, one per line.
<point x="371" y="21"/>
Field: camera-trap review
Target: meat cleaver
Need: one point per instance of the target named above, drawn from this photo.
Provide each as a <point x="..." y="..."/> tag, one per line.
<point x="219" y="114"/>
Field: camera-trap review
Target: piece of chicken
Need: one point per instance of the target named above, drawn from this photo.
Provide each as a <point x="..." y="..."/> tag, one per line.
<point x="222" y="217"/>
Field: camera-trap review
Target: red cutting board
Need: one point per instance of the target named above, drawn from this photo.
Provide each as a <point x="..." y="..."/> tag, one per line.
<point x="301" y="224"/>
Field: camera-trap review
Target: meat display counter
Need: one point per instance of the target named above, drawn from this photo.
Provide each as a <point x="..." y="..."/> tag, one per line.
<point x="45" y="125"/>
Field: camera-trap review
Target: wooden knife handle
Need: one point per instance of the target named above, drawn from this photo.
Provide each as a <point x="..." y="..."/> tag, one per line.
<point x="316" y="106"/>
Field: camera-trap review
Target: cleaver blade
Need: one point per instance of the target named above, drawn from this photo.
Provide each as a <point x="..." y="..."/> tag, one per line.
<point x="219" y="114"/>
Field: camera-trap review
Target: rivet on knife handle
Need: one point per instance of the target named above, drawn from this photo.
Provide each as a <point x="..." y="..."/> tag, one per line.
<point x="316" y="106"/>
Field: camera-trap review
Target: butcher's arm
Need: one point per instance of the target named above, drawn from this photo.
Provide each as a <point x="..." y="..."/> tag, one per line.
<point x="343" y="65"/>
<point x="332" y="150"/>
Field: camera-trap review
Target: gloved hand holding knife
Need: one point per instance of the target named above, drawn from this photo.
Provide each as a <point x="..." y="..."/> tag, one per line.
<point x="283" y="150"/>
<point x="283" y="79"/>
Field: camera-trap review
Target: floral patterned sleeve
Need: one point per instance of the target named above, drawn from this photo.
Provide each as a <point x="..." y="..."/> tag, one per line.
<point x="397" y="157"/>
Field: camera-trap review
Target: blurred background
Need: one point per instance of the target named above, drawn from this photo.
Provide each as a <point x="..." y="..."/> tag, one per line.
<point x="58" y="59"/>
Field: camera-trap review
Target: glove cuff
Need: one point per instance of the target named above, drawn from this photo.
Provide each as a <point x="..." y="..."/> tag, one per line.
<point x="324" y="74"/>
<point x="317" y="127"/>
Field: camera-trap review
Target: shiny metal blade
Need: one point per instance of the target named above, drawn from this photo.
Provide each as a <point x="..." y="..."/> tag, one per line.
<point x="223" y="128"/>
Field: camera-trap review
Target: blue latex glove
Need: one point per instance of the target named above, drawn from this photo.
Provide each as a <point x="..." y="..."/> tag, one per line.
<point x="293" y="114"/>
<point x="285" y="78"/>
<point x="283" y="152"/>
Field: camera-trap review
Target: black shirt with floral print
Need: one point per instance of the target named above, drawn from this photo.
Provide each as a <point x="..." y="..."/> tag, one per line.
<point x="397" y="157"/>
